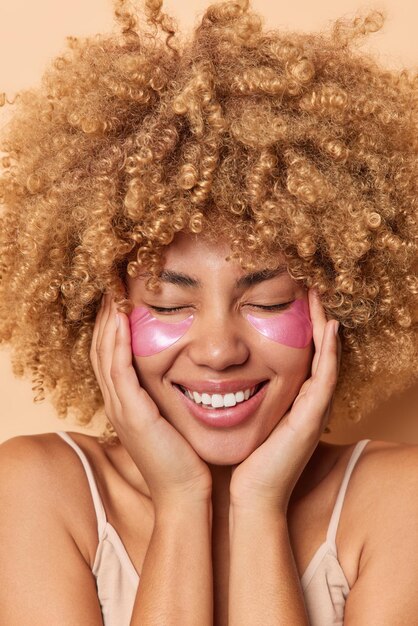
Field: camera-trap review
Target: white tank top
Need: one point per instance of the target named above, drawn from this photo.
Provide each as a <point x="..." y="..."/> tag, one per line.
<point x="325" y="587"/>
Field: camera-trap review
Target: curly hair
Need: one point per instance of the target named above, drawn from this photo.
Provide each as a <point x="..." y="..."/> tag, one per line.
<point x="276" y="141"/>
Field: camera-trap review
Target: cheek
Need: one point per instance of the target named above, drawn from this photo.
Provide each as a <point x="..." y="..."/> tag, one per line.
<point x="151" y="335"/>
<point x="291" y="328"/>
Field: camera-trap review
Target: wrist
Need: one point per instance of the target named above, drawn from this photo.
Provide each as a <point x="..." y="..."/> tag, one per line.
<point x="256" y="513"/>
<point x="259" y="506"/>
<point x="257" y="520"/>
<point x="179" y="509"/>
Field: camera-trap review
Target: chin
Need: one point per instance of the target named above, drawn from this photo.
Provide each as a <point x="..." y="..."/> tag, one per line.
<point x="227" y="453"/>
<point x="219" y="459"/>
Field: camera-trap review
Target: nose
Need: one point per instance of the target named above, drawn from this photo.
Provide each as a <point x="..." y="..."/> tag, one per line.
<point x="218" y="342"/>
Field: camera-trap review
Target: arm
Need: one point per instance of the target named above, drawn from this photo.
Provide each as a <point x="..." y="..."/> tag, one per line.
<point x="176" y="580"/>
<point x="44" y="579"/>
<point x="385" y="591"/>
<point x="264" y="585"/>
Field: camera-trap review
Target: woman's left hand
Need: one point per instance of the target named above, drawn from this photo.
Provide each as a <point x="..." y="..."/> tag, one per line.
<point x="267" y="477"/>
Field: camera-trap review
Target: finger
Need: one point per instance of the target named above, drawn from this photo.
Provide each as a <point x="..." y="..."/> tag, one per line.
<point x="311" y="407"/>
<point x="102" y="317"/>
<point x="318" y="317"/>
<point x="106" y="348"/>
<point x="319" y="321"/>
<point x="325" y="377"/>
<point x="94" y="342"/>
<point x="134" y="400"/>
<point x="339" y="349"/>
<point x="93" y="345"/>
<point x="337" y="357"/>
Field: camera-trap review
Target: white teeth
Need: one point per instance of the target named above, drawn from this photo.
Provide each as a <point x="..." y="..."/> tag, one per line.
<point x="240" y="396"/>
<point x="229" y="399"/>
<point x="206" y="399"/>
<point x="197" y="397"/>
<point x="217" y="400"/>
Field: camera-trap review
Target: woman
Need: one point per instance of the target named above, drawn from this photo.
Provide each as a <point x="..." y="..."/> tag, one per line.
<point x="184" y="224"/>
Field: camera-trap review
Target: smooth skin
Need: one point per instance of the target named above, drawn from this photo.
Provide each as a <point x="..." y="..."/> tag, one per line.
<point x="223" y="503"/>
<point x="263" y="482"/>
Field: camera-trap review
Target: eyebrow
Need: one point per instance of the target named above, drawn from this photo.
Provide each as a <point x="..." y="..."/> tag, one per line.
<point x="254" y="278"/>
<point x="258" y="277"/>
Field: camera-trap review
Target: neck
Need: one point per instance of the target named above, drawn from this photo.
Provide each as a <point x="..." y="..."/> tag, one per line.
<point x="313" y="473"/>
<point x="318" y="466"/>
<point x="221" y="478"/>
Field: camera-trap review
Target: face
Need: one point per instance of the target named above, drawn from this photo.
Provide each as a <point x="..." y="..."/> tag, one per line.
<point x="225" y="333"/>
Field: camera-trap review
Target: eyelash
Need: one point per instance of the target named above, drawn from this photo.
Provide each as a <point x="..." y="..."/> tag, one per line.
<point x="273" y="307"/>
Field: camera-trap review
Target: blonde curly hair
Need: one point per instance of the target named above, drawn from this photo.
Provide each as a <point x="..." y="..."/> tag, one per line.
<point x="276" y="141"/>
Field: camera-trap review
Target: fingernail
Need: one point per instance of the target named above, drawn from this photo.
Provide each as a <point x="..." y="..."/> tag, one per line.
<point x="336" y="326"/>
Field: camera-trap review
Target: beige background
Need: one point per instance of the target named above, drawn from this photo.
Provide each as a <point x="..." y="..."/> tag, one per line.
<point x="33" y="32"/>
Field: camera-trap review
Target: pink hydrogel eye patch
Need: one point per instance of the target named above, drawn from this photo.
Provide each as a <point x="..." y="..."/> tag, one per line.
<point x="151" y="335"/>
<point x="292" y="327"/>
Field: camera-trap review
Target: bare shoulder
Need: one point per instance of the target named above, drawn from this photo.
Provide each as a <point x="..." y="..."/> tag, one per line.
<point x="388" y="469"/>
<point x="385" y="518"/>
<point x="37" y="539"/>
<point x="43" y="461"/>
<point x="26" y="462"/>
<point x="43" y="468"/>
<point x="385" y="484"/>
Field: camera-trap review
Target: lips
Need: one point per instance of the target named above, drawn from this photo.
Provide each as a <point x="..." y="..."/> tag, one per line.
<point x="227" y="417"/>
<point x="218" y="400"/>
<point x="218" y="386"/>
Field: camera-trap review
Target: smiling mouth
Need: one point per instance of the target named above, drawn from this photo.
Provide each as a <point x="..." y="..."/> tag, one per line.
<point x="221" y="401"/>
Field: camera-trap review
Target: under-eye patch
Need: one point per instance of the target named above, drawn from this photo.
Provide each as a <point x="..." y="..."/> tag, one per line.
<point x="292" y="327"/>
<point x="151" y="335"/>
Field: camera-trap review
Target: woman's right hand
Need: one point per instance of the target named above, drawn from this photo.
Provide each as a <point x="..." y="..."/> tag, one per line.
<point x="173" y="471"/>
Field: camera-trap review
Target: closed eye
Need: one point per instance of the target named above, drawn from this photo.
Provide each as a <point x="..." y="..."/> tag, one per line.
<point x="160" y="309"/>
<point x="272" y="307"/>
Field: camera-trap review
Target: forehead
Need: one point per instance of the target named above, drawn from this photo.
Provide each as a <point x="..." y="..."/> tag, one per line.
<point x="198" y="252"/>
<point x="194" y="254"/>
<point x="195" y="261"/>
